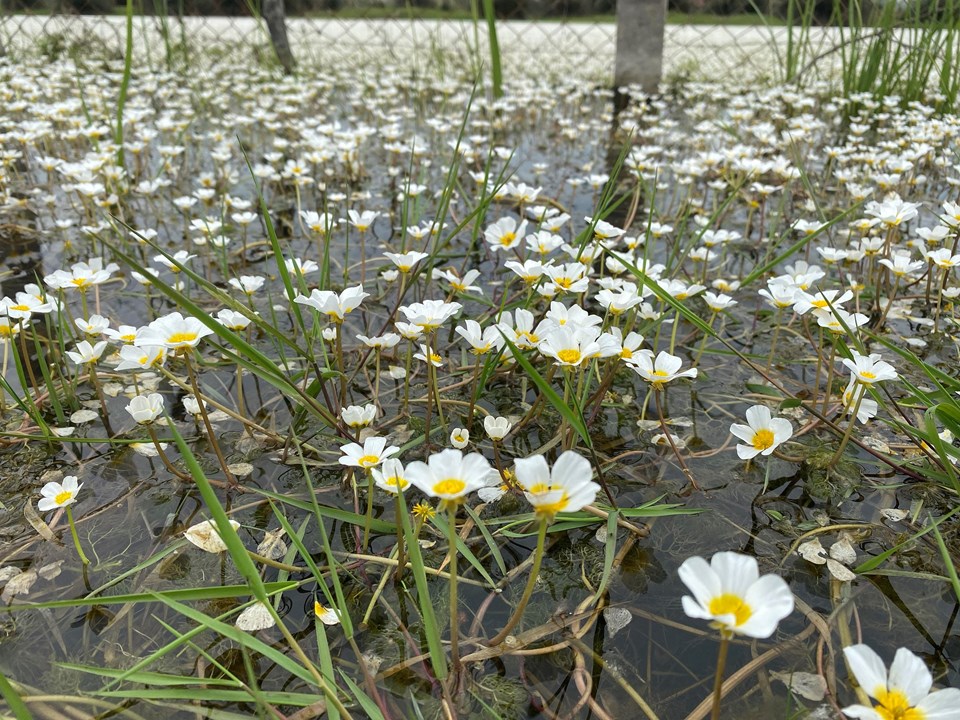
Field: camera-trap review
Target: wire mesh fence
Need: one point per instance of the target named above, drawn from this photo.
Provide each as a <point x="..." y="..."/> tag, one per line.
<point x="552" y="36"/>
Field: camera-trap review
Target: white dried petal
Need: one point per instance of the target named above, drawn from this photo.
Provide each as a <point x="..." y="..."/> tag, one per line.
<point x="7" y="572"/>
<point x="840" y="572"/>
<point x="205" y="536"/>
<point x="812" y="551"/>
<point x="894" y="514"/>
<point x="807" y="685"/>
<point x="842" y="551"/>
<point x="617" y="618"/>
<point x="240" y="469"/>
<point x="601" y="535"/>
<point x="63" y="431"/>
<point x="19" y="585"/>
<point x="83" y="416"/>
<point x="272" y="546"/>
<point x="50" y="570"/>
<point x="256" y="617"/>
<point x="147" y="449"/>
<point x="112" y="389"/>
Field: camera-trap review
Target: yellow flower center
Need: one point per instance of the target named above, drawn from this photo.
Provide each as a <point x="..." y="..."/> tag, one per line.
<point x="626" y="353"/>
<point x="551" y="509"/>
<point x="660" y="373"/>
<point x="434" y="358"/>
<point x="450" y="486"/>
<point x="21" y="308"/>
<point x="821" y="303"/>
<point x="563" y="282"/>
<point x="730" y="604"/>
<point x="570" y="356"/>
<point x="79" y="282"/>
<point x="507" y="238"/>
<point x="368" y="461"/>
<point x="396" y="481"/>
<point x="867" y="374"/>
<point x="182" y="337"/>
<point x="895" y="706"/>
<point x="762" y="439"/>
<point x="63" y="496"/>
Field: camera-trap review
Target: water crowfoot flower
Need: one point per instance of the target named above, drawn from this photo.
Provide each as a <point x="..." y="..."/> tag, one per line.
<point x="730" y="592"/>
<point x="63" y="495"/>
<point x="903" y="693"/>
<point x="762" y="433"/>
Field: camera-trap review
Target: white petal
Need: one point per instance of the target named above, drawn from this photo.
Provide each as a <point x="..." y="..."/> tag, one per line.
<point x="532" y="471"/>
<point x="911" y="675"/>
<point x="737" y="572"/>
<point x="571" y="470"/>
<point x="867" y="668"/>
<point x="941" y="705"/>
<point x="701" y="580"/>
<point x="758" y="417"/>
<point x="861" y="712"/>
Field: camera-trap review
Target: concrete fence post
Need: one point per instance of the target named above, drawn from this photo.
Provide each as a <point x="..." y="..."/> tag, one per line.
<point x="640" y="25"/>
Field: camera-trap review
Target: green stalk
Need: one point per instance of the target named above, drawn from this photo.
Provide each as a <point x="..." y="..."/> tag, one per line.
<point x="76" y="538"/>
<point x="496" y="72"/>
<point x="454" y="608"/>
<point x="124" y="83"/>
<point x="718" y="679"/>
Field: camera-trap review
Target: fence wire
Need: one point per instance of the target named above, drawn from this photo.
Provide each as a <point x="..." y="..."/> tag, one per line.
<point x="542" y="36"/>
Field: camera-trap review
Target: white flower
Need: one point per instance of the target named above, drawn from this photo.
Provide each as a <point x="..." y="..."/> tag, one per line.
<point x="659" y="370"/>
<point x="903" y="693"/>
<point x="460" y="438"/>
<point x="144" y="409"/>
<point x="173" y="331"/>
<point x="58" y="495"/>
<point x="496" y="427"/>
<point x="730" y="592"/>
<point x="373" y="452"/>
<point x="762" y="433"/>
<point x="869" y="369"/>
<point x="357" y="416"/>
<point x="567" y="488"/>
<point x="449" y="474"/>
<point x="333" y="305"/>
<point x="86" y="353"/>
<point x="390" y="476"/>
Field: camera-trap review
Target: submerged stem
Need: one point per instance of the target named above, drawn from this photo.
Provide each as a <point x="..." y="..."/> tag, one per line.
<point x="531" y="583"/>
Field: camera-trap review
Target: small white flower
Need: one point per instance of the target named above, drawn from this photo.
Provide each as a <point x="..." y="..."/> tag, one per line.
<point x="762" y="433"/>
<point x="460" y="438"/>
<point x="497" y="427"/>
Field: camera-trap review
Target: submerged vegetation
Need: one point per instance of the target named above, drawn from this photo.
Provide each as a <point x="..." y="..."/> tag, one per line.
<point x="385" y="398"/>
